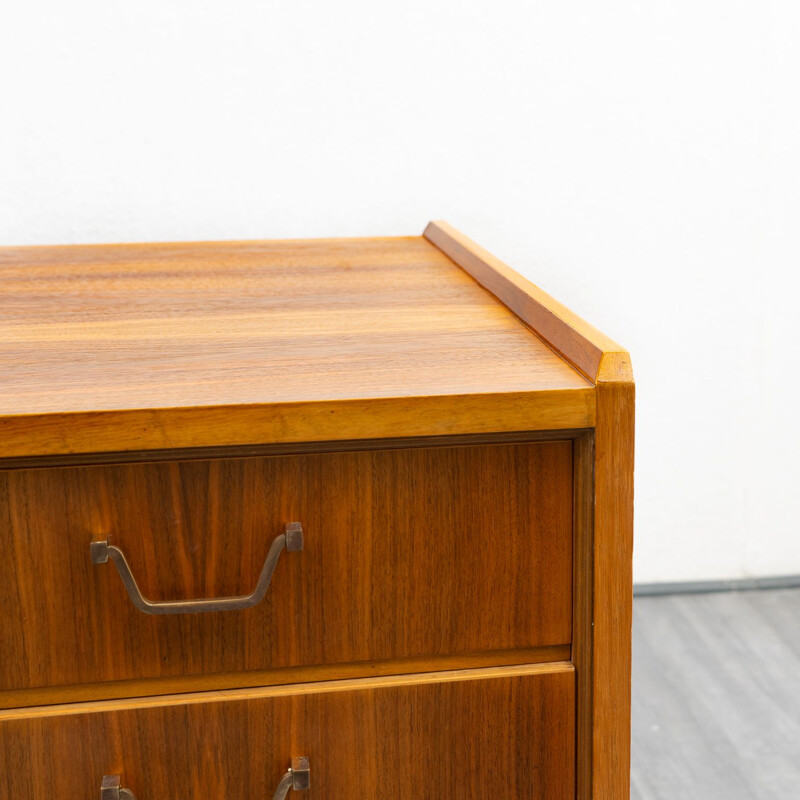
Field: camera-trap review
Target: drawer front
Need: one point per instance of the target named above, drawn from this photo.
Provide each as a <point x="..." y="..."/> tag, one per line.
<point x="509" y="737"/>
<point x="407" y="553"/>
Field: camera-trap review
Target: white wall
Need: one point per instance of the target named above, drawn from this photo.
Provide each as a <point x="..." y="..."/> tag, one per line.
<point x="638" y="160"/>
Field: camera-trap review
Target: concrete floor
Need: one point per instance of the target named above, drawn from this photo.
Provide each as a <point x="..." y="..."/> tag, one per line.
<point x="716" y="696"/>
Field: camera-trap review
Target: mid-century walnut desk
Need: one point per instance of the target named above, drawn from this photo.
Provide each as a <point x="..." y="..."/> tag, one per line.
<point x="334" y="518"/>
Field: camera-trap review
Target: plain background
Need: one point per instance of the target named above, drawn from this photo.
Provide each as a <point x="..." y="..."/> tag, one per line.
<point x="638" y="160"/>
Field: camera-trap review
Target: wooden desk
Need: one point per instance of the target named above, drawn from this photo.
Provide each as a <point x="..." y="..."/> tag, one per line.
<point x="363" y="502"/>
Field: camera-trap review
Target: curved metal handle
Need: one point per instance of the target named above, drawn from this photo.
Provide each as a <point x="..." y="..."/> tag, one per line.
<point x="111" y="789"/>
<point x="292" y="540"/>
<point x="297" y="777"/>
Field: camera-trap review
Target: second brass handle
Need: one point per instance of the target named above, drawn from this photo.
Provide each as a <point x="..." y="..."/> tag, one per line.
<point x="292" y="540"/>
<point x="112" y="789"/>
<point x="297" y="777"/>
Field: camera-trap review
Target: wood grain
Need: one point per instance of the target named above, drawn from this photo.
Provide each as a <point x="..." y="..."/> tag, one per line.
<point x="224" y="426"/>
<point x="444" y="554"/>
<point x="602" y="647"/>
<point x="408" y="554"/>
<point x="583" y="607"/>
<point x="158" y="687"/>
<point x="285" y="448"/>
<point x="261" y="692"/>
<point x="509" y="736"/>
<point x="126" y="347"/>
<point x="580" y="343"/>
<point x="613" y="583"/>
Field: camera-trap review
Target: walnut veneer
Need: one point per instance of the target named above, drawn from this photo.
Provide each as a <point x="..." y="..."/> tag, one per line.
<point x="448" y="611"/>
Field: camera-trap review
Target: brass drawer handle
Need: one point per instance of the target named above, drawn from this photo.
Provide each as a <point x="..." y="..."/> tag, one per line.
<point x="297" y="777"/>
<point x="292" y="540"/>
<point x="111" y="789"/>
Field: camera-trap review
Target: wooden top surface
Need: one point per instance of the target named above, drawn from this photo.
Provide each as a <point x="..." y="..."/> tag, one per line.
<point x="149" y="326"/>
<point x="91" y="334"/>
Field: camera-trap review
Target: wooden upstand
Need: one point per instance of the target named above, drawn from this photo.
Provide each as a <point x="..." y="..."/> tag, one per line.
<point x="334" y="518"/>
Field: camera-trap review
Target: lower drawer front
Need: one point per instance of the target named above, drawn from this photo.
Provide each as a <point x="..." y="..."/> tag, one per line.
<point x="475" y="734"/>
